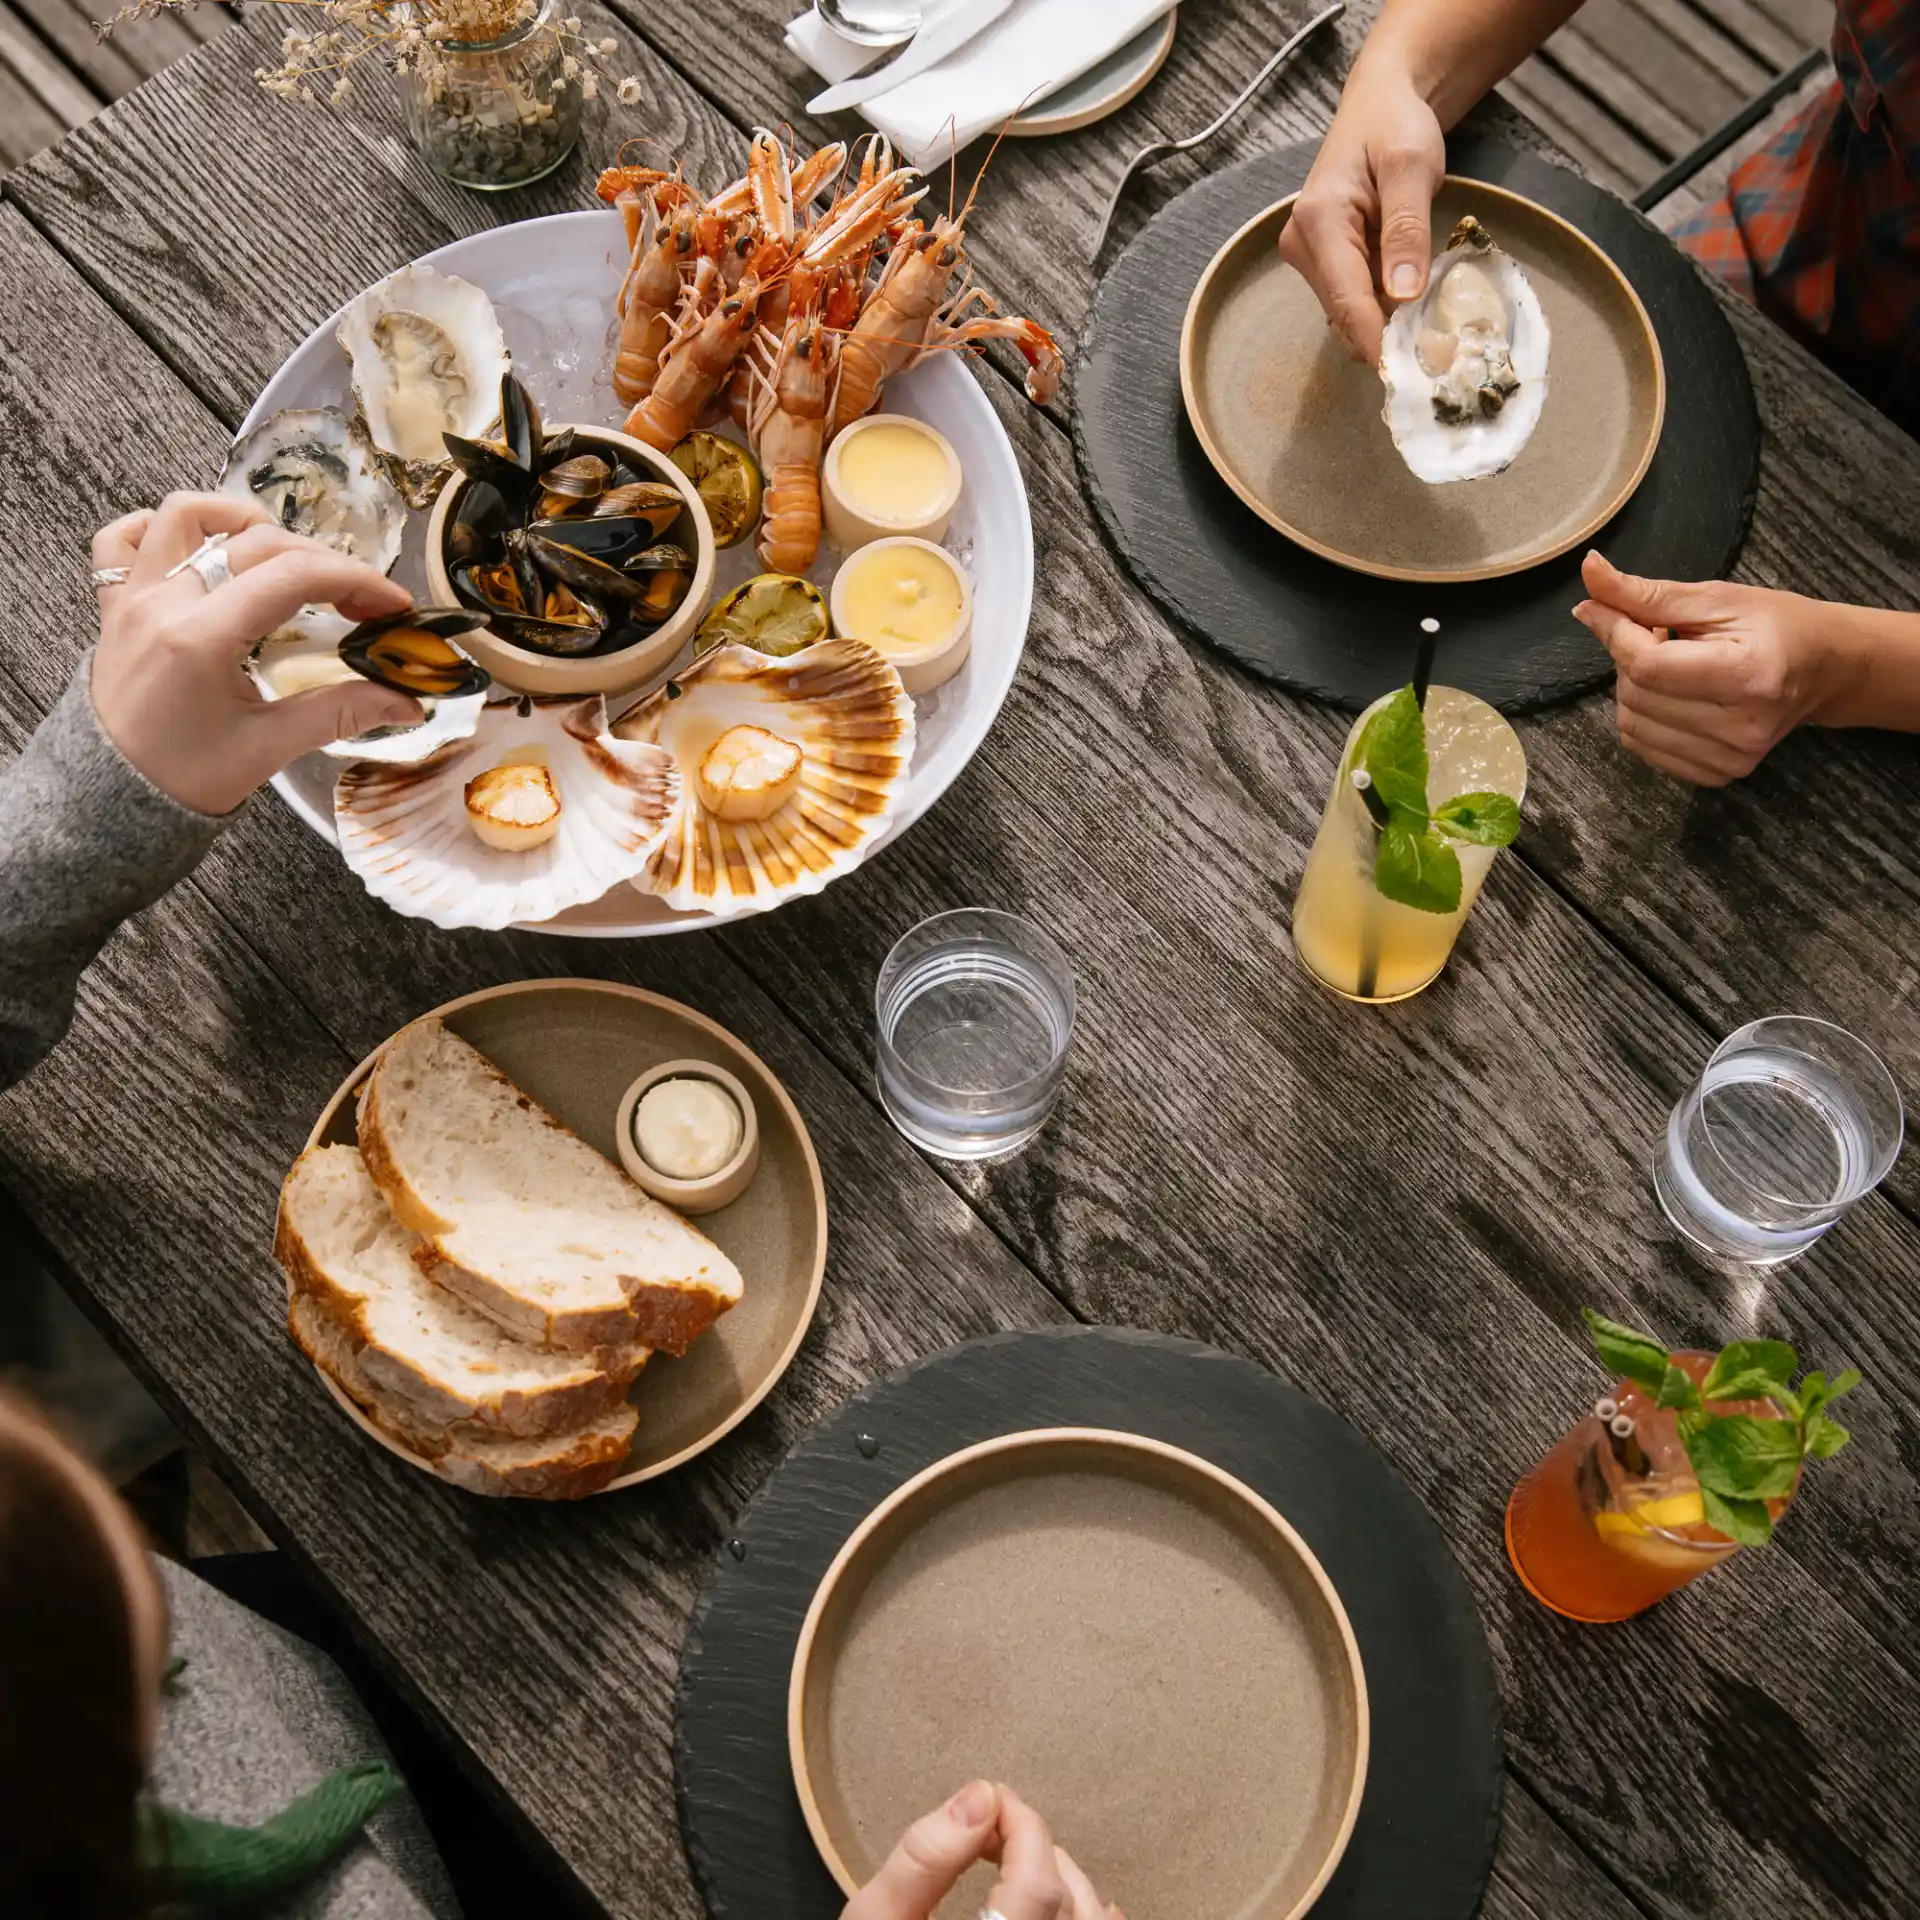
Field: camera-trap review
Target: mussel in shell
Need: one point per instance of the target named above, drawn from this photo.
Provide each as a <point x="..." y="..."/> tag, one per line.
<point x="414" y="652"/>
<point x="568" y="486"/>
<point x="563" y="638"/>
<point x="650" y="500"/>
<point x="601" y="584"/>
<point x="520" y="427"/>
<point x="662" y="576"/>
<point x="613" y="538"/>
<point x="492" y="462"/>
<point x="479" y="523"/>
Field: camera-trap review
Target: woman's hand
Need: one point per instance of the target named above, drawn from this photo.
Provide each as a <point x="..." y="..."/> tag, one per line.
<point x="1038" y="1881"/>
<point x="1713" y="676"/>
<point x="168" y="683"/>
<point x="1363" y="222"/>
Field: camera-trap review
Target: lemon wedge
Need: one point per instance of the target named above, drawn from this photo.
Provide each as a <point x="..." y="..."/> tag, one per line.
<point x="1677" y="1510"/>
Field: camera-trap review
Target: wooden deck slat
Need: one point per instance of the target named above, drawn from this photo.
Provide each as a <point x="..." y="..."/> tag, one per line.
<point x="1809" y="21"/>
<point x="1593" y="71"/>
<point x="62" y="98"/>
<point x="1768" y="40"/>
<point x="1635" y="68"/>
<point x="1609" y="152"/>
<point x="108" y="66"/>
<point x="1704" y="44"/>
<point x="152" y="44"/>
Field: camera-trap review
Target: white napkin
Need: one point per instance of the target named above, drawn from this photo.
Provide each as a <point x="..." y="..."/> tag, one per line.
<point x="1034" y="48"/>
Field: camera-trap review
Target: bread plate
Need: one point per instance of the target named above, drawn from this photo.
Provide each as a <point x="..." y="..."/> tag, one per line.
<point x="1292" y="423"/>
<point x="576" y="1046"/>
<point x="1134" y="1639"/>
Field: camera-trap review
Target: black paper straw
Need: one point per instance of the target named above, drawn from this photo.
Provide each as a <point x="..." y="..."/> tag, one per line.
<point x="1423" y="661"/>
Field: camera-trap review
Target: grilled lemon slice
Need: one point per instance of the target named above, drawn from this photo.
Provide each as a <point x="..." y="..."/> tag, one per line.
<point x="776" y="613"/>
<point x="728" y="479"/>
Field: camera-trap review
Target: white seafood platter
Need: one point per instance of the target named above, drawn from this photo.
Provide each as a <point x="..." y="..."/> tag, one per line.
<point x="553" y="282"/>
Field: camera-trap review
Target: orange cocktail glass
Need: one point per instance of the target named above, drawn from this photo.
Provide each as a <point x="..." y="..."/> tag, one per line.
<point x="1604" y="1526"/>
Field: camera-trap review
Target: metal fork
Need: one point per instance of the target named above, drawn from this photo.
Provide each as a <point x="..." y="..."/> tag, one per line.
<point x="1149" y="155"/>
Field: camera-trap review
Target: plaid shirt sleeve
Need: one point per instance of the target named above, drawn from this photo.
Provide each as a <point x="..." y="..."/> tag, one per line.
<point x="1821" y="228"/>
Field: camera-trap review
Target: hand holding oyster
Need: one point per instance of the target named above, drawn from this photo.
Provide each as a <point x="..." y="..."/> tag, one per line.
<point x="1465" y="365"/>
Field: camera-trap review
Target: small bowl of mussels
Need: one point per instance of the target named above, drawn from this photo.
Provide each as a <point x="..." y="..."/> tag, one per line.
<point x="588" y="555"/>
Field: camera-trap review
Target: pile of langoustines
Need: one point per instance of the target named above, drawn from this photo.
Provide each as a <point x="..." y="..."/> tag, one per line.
<point x="480" y="1282"/>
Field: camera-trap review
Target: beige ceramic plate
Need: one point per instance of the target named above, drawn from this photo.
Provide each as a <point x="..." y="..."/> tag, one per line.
<point x="577" y="1046"/>
<point x="1102" y="89"/>
<point x="1294" y="427"/>
<point x="1130" y="1637"/>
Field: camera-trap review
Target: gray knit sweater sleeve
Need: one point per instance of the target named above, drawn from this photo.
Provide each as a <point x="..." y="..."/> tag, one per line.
<point x="85" y="840"/>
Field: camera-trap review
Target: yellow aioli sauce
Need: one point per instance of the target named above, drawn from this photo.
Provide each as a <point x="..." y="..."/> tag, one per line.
<point x="894" y="472"/>
<point x="899" y="598"/>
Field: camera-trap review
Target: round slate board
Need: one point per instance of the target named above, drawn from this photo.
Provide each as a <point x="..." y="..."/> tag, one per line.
<point x="1346" y="637"/>
<point x="1425" y="1838"/>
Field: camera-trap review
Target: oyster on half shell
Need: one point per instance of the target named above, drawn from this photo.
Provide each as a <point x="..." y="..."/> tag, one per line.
<point x="750" y="829"/>
<point x="428" y="357"/>
<point x="1465" y="366"/>
<point x="315" y="472"/>
<point x="405" y="829"/>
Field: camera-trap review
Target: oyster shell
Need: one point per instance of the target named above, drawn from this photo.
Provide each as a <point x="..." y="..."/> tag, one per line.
<point x="1465" y="366"/>
<point x="428" y="358"/>
<point x="843" y="706"/>
<point x="316" y="473"/>
<point x="404" y="830"/>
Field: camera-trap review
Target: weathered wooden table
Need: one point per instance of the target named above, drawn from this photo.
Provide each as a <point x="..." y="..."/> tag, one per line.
<point x="1401" y="1211"/>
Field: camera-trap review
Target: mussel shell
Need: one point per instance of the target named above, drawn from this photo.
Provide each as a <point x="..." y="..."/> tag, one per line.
<point x="520" y="425"/>
<point x="480" y="520"/>
<point x="414" y="652"/>
<point x="560" y="638"/>
<point x="661" y="576"/>
<point x="593" y="579"/>
<point x="613" y="538"/>
<point x="650" y="500"/>
<point x="560" y="446"/>
<point x="496" y="586"/>
<point x="583" y="477"/>
<point x="492" y="462"/>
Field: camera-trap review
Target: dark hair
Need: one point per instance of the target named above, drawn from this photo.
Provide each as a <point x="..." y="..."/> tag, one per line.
<point x="70" y="1743"/>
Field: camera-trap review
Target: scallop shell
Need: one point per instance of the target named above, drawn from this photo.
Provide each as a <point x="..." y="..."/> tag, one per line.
<point x="317" y="474"/>
<point x="309" y="646"/>
<point x="428" y="356"/>
<point x="1482" y="310"/>
<point x="404" y="831"/>
<point x="843" y="705"/>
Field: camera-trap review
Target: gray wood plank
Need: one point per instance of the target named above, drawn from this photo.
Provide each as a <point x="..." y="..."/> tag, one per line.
<point x="1700" y="40"/>
<point x="43" y="74"/>
<point x="1608" y="152"/>
<point x="1760" y="34"/>
<point x="25" y="125"/>
<point x="64" y="23"/>
<point x="1677" y="73"/>
<point x="1623" y="94"/>
<point x="1810" y="21"/>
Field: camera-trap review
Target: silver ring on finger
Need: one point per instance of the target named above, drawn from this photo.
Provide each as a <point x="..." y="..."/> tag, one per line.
<point x="209" y="561"/>
<point x="111" y="576"/>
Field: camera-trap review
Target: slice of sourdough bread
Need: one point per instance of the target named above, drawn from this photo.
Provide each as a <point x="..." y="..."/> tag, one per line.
<point x="520" y="1217"/>
<point x="560" y="1466"/>
<point x="426" y="1353"/>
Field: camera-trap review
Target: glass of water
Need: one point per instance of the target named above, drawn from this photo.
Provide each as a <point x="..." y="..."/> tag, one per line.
<point x="1792" y="1122"/>
<point x="975" y="1013"/>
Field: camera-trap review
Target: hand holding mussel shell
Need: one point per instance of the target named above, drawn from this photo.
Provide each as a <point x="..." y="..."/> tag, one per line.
<point x="414" y="652"/>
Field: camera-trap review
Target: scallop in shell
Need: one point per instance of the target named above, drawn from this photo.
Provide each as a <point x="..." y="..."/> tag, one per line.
<point x="315" y="472"/>
<point x="405" y="832"/>
<point x="1465" y="366"/>
<point x="730" y="722"/>
<point x="428" y="358"/>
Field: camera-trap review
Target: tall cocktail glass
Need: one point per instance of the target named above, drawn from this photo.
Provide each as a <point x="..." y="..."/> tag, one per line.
<point x="1346" y="932"/>
<point x="1608" y="1524"/>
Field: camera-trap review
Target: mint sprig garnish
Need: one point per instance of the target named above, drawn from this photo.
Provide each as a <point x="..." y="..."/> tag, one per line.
<point x="1414" y="864"/>
<point x="1740" y="1460"/>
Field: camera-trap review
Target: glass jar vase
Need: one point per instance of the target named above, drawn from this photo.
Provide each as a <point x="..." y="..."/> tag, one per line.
<point x="497" y="113"/>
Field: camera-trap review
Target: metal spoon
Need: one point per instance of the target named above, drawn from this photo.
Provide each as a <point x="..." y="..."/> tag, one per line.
<point x="871" y="23"/>
<point x="1159" y="150"/>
